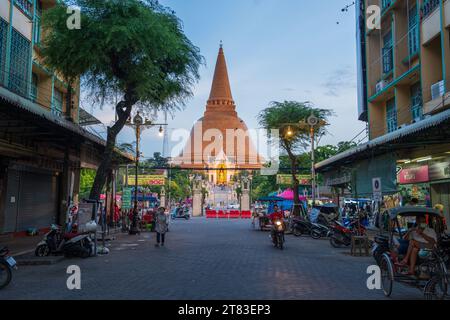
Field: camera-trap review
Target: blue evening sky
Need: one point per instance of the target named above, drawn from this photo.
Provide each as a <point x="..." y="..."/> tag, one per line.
<point x="276" y="50"/>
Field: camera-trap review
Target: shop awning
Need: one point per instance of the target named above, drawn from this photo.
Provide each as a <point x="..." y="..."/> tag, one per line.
<point x="421" y="132"/>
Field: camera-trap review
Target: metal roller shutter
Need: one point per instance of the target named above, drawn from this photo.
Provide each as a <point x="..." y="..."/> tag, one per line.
<point x="38" y="200"/>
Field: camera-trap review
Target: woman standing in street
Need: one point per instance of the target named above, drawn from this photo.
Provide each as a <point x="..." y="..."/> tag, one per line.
<point x="162" y="224"/>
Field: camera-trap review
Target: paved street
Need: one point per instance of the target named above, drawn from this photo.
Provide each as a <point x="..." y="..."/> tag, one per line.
<point x="207" y="260"/>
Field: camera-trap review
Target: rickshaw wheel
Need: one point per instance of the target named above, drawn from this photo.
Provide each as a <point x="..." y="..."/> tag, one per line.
<point x="435" y="289"/>
<point x="387" y="275"/>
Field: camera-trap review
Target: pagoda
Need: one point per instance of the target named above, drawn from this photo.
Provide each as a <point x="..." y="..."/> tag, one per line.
<point x="220" y="140"/>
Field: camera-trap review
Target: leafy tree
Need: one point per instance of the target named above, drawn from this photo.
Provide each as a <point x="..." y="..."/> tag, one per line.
<point x="285" y="116"/>
<point x="133" y="48"/>
<point x="87" y="177"/>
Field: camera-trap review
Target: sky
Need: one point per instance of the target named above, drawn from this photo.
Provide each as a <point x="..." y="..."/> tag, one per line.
<point x="276" y="50"/>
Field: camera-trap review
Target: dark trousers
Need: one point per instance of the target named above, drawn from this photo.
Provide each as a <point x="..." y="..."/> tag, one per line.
<point x="160" y="237"/>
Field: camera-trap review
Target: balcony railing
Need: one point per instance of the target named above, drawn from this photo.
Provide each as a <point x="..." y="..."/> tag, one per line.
<point x="26" y="6"/>
<point x="413" y="42"/>
<point x="428" y="7"/>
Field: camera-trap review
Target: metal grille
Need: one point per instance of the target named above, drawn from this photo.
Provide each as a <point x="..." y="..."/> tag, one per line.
<point x="20" y="61"/>
<point x="416" y="102"/>
<point x="3" y="37"/>
<point x="391" y="115"/>
<point x="413" y="32"/>
<point x="388" y="54"/>
<point x="57" y="102"/>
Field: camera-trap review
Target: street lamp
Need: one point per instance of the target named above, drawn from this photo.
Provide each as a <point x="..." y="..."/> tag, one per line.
<point x="139" y="125"/>
<point x="314" y="124"/>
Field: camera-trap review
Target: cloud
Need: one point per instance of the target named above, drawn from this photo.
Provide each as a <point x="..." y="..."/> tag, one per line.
<point x="343" y="78"/>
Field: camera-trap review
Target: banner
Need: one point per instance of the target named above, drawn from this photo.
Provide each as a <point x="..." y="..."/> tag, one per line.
<point x="413" y="175"/>
<point x="126" y="199"/>
<point x="286" y="179"/>
<point x="146" y="180"/>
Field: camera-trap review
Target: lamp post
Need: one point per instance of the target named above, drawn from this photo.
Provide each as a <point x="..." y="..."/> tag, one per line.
<point x="139" y="124"/>
<point x="314" y="124"/>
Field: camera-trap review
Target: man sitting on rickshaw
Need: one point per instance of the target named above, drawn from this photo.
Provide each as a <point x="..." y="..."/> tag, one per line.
<point x="421" y="240"/>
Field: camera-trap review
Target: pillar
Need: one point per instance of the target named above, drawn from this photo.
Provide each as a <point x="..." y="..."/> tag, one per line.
<point x="197" y="210"/>
<point x="162" y="197"/>
<point x="245" y="196"/>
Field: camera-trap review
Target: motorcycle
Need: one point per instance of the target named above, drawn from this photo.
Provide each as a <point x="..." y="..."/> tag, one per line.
<point x="301" y="226"/>
<point x="7" y="264"/>
<point x="278" y="230"/>
<point x="69" y="244"/>
<point x="342" y="235"/>
<point x="181" y="213"/>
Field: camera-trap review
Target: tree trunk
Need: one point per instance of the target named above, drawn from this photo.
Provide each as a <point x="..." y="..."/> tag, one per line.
<point x="123" y="110"/>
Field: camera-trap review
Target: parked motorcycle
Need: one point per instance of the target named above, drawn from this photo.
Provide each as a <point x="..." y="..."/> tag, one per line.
<point x="278" y="230"/>
<point x="342" y="235"/>
<point x="7" y="264"/>
<point x="302" y="226"/>
<point x="69" y="244"/>
<point x="181" y="213"/>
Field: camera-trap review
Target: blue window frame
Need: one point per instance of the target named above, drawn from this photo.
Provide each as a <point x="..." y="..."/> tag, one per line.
<point x="413" y="27"/>
<point x="25" y="5"/>
<point x="416" y="102"/>
<point x="388" y="54"/>
<point x="391" y="115"/>
<point x="3" y="38"/>
<point x="58" y="98"/>
<point x="34" y="87"/>
<point x="19" y="64"/>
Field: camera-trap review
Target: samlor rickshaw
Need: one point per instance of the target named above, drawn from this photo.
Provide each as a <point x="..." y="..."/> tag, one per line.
<point x="430" y="274"/>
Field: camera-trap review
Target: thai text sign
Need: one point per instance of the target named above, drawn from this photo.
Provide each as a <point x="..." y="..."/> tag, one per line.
<point x="414" y="175"/>
<point x="126" y="198"/>
<point x="286" y="179"/>
<point x="147" y="180"/>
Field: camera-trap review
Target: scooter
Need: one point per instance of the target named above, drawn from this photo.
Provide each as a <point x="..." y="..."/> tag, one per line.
<point x="69" y="244"/>
<point x="342" y="235"/>
<point x="278" y="230"/>
<point x="181" y="213"/>
<point x="302" y="226"/>
<point x="7" y="264"/>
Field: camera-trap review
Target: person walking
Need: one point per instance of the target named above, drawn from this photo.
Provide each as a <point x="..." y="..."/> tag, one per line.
<point x="161" y="226"/>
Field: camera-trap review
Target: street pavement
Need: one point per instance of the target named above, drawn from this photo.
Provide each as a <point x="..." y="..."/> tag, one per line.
<point x="208" y="260"/>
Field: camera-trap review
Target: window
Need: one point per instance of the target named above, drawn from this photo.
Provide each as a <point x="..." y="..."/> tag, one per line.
<point x="3" y="36"/>
<point x="386" y="4"/>
<point x="391" y="115"/>
<point x="25" y="5"/>
<point x="387" y="52"/>
<point x="19" y="65"/>
<point x="34" y="87"/>
<point x="58" y="97"/>
<point x="416" y="102"/>
<point x="413" y="32"/>
<point x="37" y="30"/>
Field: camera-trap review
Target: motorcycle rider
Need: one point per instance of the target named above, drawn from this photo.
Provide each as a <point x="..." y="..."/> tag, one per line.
<point x="274" y="216"/>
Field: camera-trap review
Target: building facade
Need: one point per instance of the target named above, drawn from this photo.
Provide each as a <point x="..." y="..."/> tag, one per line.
<point x="404" y="69"/>
<point x="42" y="144"/>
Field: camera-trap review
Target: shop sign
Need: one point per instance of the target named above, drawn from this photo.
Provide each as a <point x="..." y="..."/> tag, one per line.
<point x="413" y="175"/>
<point x="344" y="179"/>
<point x="440" y="171"/>
<point x="146" y="180"/>
<point x="126" y="198"/>
<point x="286" y="179"/>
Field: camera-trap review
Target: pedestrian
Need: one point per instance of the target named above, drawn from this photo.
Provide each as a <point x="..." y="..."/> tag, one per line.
<point x="162" y="224"/>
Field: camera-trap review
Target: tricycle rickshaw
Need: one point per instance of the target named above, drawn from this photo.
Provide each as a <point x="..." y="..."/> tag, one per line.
<point x="430" y="274"/>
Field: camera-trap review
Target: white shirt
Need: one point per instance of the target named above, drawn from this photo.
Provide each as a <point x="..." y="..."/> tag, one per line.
<point x="428" y="232"/>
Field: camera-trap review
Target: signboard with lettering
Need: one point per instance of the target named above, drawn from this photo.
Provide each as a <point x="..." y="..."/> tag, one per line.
<point x="126" y="199"/>
<point x="146" y="180"/>
<point x="440" y="171"/>
<point x="413" y="175"/>
<point x="286" y="179"/>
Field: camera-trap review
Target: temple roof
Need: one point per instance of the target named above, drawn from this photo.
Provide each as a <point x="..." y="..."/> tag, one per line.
<point x="221" y="89"/>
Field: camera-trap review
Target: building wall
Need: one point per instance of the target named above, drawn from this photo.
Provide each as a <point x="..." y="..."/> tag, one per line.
<point x="420" y="54"/>
<point x="36" y="81"/>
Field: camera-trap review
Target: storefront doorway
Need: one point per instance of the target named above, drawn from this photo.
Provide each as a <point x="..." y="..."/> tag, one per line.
<point x="440" y="194"/>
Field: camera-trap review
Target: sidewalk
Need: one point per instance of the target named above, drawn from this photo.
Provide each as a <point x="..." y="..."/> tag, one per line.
<point x="21" y="245"/>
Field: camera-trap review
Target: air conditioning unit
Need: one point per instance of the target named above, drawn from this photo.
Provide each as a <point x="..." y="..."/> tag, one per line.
<point x="381" y="85"/>
<point x="437" y="90"/>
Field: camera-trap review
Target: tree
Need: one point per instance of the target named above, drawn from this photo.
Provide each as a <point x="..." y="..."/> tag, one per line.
<point x="133" y="48"/>
<point x="285" y="116"/>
